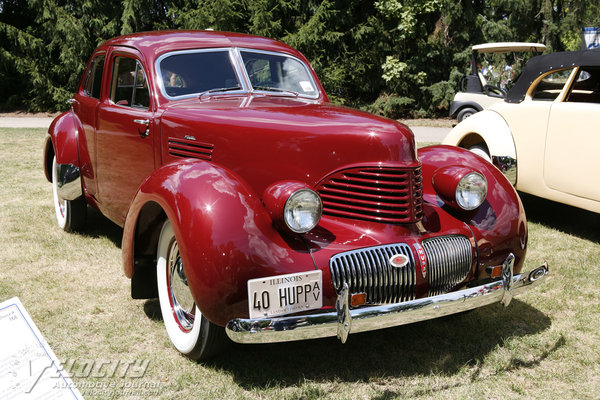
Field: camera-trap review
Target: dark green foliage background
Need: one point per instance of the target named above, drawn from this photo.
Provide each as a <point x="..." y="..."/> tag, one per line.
<point x="399" y="58"/>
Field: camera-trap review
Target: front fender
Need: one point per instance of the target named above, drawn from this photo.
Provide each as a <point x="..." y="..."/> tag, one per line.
<point x="490" y="128"/>
<point x="499" y="225"/>
<point x="225" y="235"/>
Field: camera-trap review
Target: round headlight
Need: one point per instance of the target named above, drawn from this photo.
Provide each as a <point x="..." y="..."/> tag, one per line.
<point x="302" y="210"/>
<point x="471" y="191"/>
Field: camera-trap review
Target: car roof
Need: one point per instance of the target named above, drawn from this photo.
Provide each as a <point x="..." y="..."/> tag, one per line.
<point x="504" y="47"/>
<point x="153" y="44"/>
<point x="539" y="65"/>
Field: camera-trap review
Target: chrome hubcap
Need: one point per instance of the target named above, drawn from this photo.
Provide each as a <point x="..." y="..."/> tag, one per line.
<point x="181" y="298"/>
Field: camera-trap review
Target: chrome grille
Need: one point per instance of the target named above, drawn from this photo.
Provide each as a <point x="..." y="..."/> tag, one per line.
<point x="449" y="260"/>
<point x="388" y="195"/>
<point x="190" y="149"/>
<point x="369" y="271"/>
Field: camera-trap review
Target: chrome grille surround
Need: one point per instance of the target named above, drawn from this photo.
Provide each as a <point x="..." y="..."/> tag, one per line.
<point x="449" y="260"/>
<point x="381" y="194"/>
<point x="369" y="271"/>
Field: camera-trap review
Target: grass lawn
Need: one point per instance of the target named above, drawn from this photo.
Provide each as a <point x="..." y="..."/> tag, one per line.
<point x="546" y="345"/>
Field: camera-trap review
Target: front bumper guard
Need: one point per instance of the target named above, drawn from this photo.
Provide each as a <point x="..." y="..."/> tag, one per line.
<point x="346" y="320"/>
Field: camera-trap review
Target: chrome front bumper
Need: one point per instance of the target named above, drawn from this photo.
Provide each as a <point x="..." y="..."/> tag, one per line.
<point x="346" y="320"/>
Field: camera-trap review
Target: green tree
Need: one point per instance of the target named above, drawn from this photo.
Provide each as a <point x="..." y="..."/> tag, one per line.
<point x="394" y="57"/>
<point x="44" y="45"/>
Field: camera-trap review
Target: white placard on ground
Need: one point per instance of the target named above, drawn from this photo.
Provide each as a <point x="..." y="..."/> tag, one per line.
<point x="28" y="367"/>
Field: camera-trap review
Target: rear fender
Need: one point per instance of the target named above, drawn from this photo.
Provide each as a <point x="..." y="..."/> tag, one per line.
<point x="62" y="142"/>
<point x="64" y="134"/>
<point x="224" y="233"/>
<point x="489" y="128"/>
<point x="499" y="225"/>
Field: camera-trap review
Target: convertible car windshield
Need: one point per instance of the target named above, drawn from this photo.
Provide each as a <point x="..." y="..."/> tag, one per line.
<point x="190" y="73"/>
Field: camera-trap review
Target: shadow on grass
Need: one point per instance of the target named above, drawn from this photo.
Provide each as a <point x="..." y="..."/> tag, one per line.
<point x="581" y="223"/>
<point x="97" y="225"/>
<point x="441" y="346"/>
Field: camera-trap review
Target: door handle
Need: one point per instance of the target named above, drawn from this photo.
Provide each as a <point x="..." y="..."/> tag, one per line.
<point x="72" y="102"/>
<point x="143" y="122"/>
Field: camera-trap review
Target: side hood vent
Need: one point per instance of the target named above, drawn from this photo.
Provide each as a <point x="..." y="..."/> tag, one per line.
<point x="190" y="149"/>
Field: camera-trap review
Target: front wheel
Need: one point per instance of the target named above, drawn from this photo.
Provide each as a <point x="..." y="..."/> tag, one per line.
<point x="70" y="214"/>
<point x="190" y="332"/>
<point x="465" y="113"/>
<point x="482" y="151"/>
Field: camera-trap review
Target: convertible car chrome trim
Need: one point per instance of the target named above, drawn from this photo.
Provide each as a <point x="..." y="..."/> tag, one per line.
<point x="346" y="320"/>
<point x="508" y="166"/>
<point x="69" y="182"/>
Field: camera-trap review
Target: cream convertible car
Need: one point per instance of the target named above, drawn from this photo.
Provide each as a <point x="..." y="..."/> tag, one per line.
<point x="545" y="136"/>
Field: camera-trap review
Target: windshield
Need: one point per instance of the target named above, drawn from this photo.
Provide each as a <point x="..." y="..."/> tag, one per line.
<point x="277" y="72"/>
<point x="502" y="69"/>
<point x="192" y="73"/>
<point x="206" y="72"/>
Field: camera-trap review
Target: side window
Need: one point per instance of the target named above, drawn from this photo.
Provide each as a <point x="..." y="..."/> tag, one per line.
<point x="129" y="86"/>
<point x="551" y="85"/>
<point x="93" y="80"/>
<point x="586" y="88"/>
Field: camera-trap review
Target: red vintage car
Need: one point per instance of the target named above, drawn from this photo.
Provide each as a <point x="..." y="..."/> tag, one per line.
<point x="255" y="209"/>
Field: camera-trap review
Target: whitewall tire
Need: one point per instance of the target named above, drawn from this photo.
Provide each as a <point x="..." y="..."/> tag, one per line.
<point x="190" y="332"/>
<point x="70" y="214"/>
<point x="481" y="151"/>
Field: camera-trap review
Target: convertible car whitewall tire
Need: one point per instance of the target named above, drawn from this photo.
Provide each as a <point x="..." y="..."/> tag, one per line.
<point x="481" y="151"/>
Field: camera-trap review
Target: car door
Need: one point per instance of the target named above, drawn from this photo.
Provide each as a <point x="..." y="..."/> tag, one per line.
<point x="85" y="105"/>
<point x="571" y="162"/>
<point x="125" y="152"/>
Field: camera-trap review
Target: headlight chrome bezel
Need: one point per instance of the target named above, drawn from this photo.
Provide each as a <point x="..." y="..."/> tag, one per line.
<point x="456" y="184"/>
<point x="472" y="180"/>
<point x="290" y="208"/>
<point x="282" y="201"/>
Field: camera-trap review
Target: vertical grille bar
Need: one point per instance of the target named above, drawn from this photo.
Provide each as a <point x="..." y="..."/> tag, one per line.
<point x="449" y="260"/>
<point x="369" y="271"/>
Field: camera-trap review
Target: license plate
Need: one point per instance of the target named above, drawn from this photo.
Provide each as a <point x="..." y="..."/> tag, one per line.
<point x="285" y="294"/>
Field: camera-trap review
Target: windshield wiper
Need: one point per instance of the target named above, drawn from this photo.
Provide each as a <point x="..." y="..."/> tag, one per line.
<point x="273" y="89"/>
<point x="217" y="90"/>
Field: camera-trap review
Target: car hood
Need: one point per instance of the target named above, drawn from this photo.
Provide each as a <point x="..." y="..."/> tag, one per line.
<point x="265" y="139"/>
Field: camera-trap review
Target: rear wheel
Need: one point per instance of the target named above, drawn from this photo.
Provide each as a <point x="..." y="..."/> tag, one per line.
<point x="70" y="214"/>
<point x="190" y="332"/>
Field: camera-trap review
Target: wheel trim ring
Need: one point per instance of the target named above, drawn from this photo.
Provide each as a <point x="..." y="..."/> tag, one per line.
<point x="185" y="319"/>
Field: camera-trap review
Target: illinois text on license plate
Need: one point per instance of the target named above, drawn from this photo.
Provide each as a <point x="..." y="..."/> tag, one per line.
<point x="285" y="294"/>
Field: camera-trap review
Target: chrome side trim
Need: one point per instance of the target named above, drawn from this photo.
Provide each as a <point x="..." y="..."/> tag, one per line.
<point x="508" y="166"/>
<point x="340" y="322"/>
<point x="69" y="182"/>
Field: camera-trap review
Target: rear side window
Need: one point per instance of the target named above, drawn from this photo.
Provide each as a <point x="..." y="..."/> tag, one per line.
<point x="551" y="85"/>
<point x="586" y="88"/>
<point x="93" y="80"/>
<point x="129" y="86"/>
